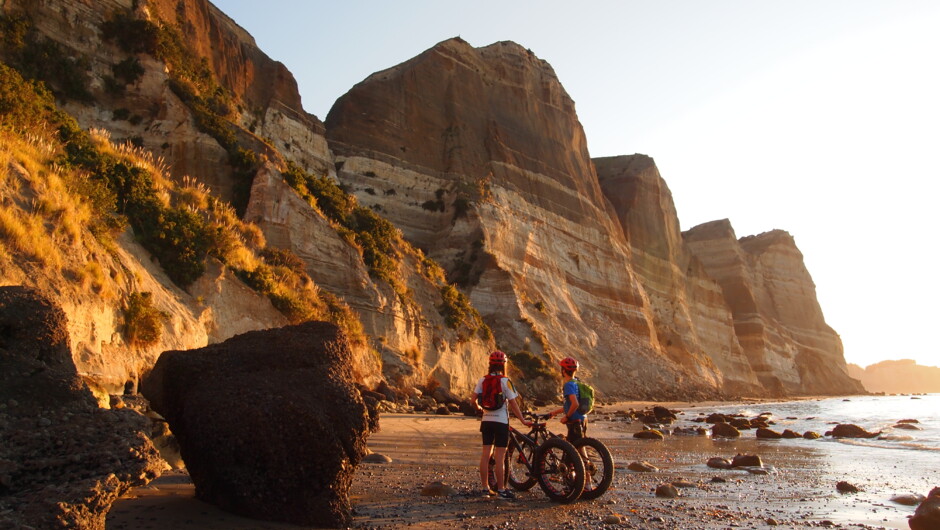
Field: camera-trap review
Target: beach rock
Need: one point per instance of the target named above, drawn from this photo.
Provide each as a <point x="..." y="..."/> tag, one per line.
<point x="642" y="467"/>
<point x="908" y="421"/>
<point x="667" y="491"/>
<point x="908" y="499"/>
<point x="846" y="487"/>
<point x="663" y="414"/>
<point x="907" y="426"/>
<point x="690" y="431"/>
<point x="63" y="460"/>
<point x="683" y="484"/>
<point x="719" y="480"/>
<point x="719" y="463"/>
<point x="269" y="422"/>
<point x="613" y="518"/>
<point x="757" y="471"/>
<point x="848" y="430"/>
<point x="927" y="515"/>
<point x="716" y="418"/>
<point x="724" y="430"/>
<point x="771" y="522"/>
<point x="438" y="489"/>
<point x="811" y="435"/>
<point x="768" y="434"/>
<point x="741" y="423"/>
<point x="787" y="433"/>
<point x="746" y="461"/>
<point x="651" y="434"/>
<point x="376" y="458"/>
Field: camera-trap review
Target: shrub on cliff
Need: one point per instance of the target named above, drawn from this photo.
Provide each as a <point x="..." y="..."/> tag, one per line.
<point x="143" y="323"/>
<point x="39" y="58"/>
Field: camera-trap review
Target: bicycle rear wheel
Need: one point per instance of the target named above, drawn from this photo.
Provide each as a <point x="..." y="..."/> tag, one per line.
<point x="518" y="465"/>
<point x="559" y="470"/>
<point x="598" y="467"/>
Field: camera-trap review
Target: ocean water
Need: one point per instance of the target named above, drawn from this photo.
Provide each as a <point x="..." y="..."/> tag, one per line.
<point x="873" y="413"/>
<point x="897" y="462"/>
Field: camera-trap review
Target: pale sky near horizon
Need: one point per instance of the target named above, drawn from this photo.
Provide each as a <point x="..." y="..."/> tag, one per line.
<point x="818" y="117"/>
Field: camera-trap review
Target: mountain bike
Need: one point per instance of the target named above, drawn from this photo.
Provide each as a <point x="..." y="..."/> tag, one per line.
<point x="543" y="457"/>
<point x="598" y="462"/>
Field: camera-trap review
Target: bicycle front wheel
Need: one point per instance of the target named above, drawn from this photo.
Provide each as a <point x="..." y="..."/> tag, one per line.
<point x="598" y="467"/>
<point x="518" y="466"/>
<point x="559" y="470"/>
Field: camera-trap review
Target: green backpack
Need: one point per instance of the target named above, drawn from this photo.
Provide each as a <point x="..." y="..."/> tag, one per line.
<point x="585" y="397"/>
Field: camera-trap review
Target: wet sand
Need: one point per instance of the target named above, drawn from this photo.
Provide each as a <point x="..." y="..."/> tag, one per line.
<point x="798" y="492"/>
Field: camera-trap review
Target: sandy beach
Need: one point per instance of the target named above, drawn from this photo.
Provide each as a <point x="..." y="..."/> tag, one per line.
<point x="798" y="492"/>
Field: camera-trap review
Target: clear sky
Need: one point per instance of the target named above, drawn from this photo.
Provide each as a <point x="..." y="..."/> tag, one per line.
<point x="818" y="117"/>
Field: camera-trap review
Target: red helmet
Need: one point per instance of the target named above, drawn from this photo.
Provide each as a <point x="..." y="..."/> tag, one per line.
<point x="497" y="357"/>
<point x="569" y="364"/>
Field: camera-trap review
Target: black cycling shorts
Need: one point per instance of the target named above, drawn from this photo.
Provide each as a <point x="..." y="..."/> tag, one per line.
<point x="495" y="433"/>
<point x="576" y="430"/>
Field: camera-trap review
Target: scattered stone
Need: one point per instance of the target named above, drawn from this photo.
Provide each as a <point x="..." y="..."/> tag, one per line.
<point x="614" y="518"/>
<point x="746" y="461"/>
<point x="787" y="433"/>
<point x="718" y="480"/>
<point x="849" y="430"/>
<point x="908" y="421"/>
<point x="757" y="470"/>
<point x="741" y="423"/>
<point x="719" y="463"/>
<point x="907" y="426"/>
<point x="664" y="415"/>
<point x="908" y="499"/>
<point x="811" y="435"/>
<point x="642" y="467"/>
<point x="684" y="484"/>
<point x="724" y="430"/>
<point x="376" y="458"/>
<point x="845" y="487"/>
<point x="716" y="418"/>
<point x="438" y="489"/>
<point x="768" y="434"/>
<point x="927" y="515"/>
<point x="651" y="434"/>
<point x="771" y="521"/>
<point x="667" y="491"/>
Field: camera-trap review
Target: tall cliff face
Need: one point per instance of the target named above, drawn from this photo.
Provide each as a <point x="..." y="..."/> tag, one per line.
<point x="776" y="315"/>
<point x="692" y="320"/>
<point x="219" y="111"/>
<point x="478" y="156"/>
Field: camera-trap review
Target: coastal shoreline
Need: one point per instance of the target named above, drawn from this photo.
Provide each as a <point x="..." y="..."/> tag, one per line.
<point x="798" y="491"/>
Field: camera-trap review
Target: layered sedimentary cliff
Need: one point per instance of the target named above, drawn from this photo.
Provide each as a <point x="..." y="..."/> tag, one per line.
<point x="692" y="320"/>
<point x="478" y="155"/>
<point x="776" y="315"/>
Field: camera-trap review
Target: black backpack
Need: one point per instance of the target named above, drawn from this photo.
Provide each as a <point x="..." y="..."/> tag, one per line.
<point x="492" y="397"/>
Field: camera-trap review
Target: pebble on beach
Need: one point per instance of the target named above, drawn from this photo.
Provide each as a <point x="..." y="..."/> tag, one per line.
<point x="642" y="467"/>
<point x="846" y="487"/>
<point x="667" y="491"/>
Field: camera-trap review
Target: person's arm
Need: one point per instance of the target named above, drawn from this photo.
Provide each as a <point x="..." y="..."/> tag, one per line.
<point x="572" y="408"/>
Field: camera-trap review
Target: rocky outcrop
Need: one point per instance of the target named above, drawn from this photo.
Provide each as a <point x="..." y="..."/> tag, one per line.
<point x="927" y="514"/>
<point x="478" y="156"/>
<point x="269" y="423"/>
<point x="693" y="322"/>
<point x="63" y="461"/>
<point x="777" y="318"/>
<point x="903" y="376"/>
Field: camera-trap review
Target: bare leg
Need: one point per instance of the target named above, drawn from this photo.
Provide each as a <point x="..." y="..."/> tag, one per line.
<point x="500" y="469"/>
<point x="485" y="465"/>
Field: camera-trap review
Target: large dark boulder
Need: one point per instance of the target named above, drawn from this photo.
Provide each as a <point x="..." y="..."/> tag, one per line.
<point x="270" y="423"/>
<point x="927" y="515"/>
<point x="723" y="430"/>
<point x="63" y="460"/>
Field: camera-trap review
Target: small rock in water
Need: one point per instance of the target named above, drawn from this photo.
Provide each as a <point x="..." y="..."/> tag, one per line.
<point x="719" y="463"/>
<point x="907" y="426"/>
<point x="642" y="467"/>
<point x="908" y="499"/>
<point x="908" y="421"/>
<point x="845" y="487"/>
<point x="811" y="435"/>
<point x="667" y="491"/>
<point x="651" y="434"/>
<point x="746" y="461"/>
